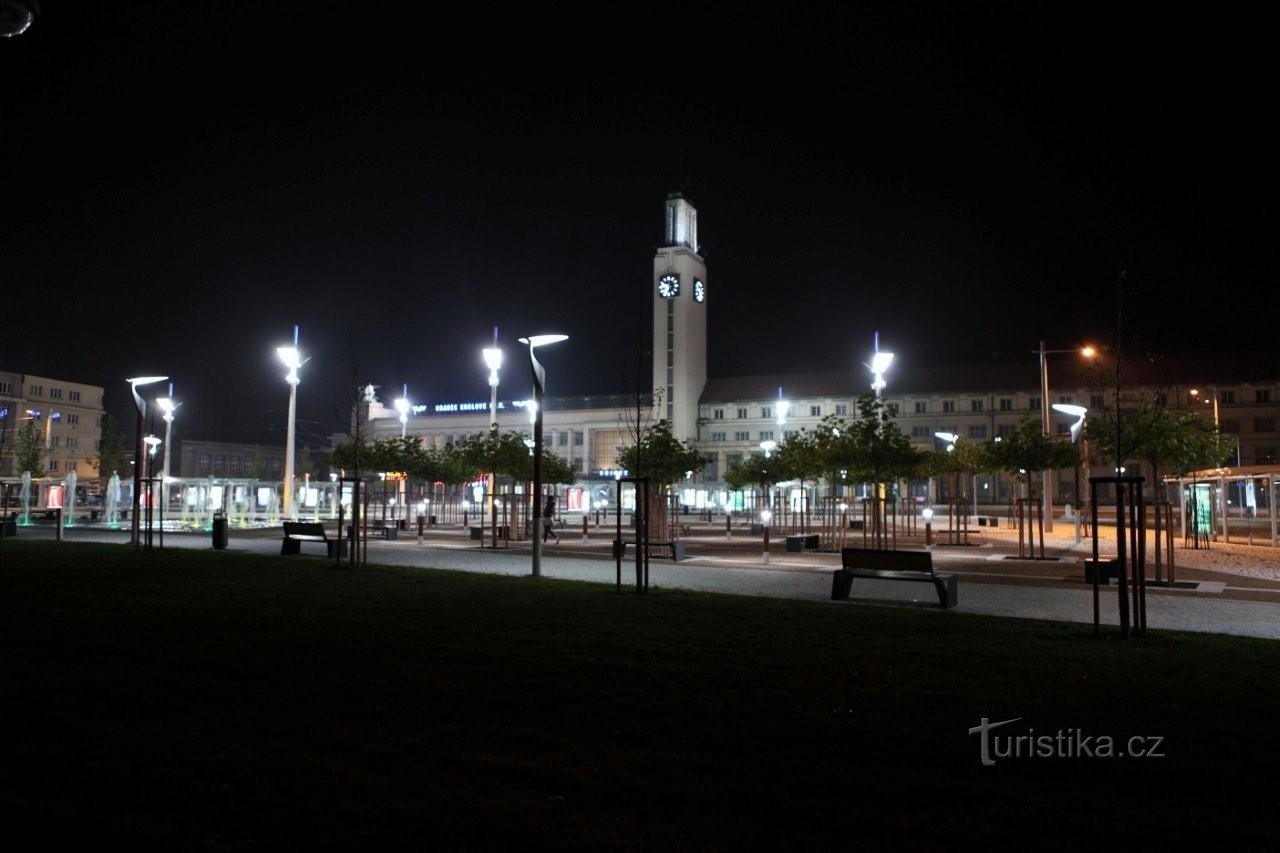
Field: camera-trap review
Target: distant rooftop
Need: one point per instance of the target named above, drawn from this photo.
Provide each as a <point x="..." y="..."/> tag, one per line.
<point x="1064" y="372"/>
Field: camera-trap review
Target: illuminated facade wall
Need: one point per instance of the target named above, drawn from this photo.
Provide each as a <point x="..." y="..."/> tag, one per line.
<point x="68" y="415"/>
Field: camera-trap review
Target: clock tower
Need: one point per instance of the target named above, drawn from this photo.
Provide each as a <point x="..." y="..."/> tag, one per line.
<point x="679" y="320"/>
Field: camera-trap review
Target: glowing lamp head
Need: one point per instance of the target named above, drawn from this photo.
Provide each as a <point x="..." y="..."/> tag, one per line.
<point x="492" y="358"/>
<point x="948" y="437"/>
<point x="1088" y="351"/>
<point x="291" y="357"/>
<point x="927" y="513"/>
<point x="880" y="362"/>
<point x="152" y="442"/>
<point x="168" y="406"/>
<point x="1195" y="392"/>
<point x="768" y="447"/>
<point x="1070" y="409"/>
<point x="543" y="340"/>
<point x="765" y="515"/>
<point x="402" y="406"/>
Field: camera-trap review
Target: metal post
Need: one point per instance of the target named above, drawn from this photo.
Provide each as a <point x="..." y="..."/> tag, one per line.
<point x="287" y="501"/>
<point x="1122" y="558"/>
<point x="1047" y="475"/>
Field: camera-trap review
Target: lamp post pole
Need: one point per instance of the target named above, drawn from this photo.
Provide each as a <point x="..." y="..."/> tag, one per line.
<point x="138" y="462"/>
<point x="1047" y="475"/>
<point x="293" y="360"/>
<point x="168" y="406"/>
<point x="539" y="391"/>
<point x="492" y="360"/>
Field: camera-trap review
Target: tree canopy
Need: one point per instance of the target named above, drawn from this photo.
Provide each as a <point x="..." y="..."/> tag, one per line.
<point x="660" y="457"/>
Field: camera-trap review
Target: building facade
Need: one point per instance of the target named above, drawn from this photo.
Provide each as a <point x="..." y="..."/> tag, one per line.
<point x="729" y="417"/>
<point x="228" y="459"/>
<point x="67" y="414"/>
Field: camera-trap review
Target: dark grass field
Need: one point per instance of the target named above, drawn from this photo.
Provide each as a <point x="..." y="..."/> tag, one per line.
<point x="209" y="700"/>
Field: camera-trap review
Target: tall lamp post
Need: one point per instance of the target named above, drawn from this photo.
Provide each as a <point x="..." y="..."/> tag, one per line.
<point x="1047" y="475"/>
<point x="134" y="384"/>
<point x="403" y="406"/>
<point x="292" y="359"/>
<point x="539" y="391"/>
<point x="493" y="361"/>
<point x="168" y="406"/>
<point x="1079" y="413"/>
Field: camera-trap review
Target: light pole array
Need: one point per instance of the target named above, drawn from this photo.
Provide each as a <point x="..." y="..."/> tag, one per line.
<point x="539" y="391"/>
<point x="292" y="359"/>
<point x="134" y="384"/>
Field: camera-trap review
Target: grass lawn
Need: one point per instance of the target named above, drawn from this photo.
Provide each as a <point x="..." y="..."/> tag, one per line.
<point x="215" y="700"/>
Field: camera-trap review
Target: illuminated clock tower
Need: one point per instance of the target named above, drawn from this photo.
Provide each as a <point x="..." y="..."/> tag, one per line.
<point x="679" y="320"/>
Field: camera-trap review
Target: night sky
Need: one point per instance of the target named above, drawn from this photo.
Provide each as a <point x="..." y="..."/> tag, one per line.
<point x="183" y="184"/>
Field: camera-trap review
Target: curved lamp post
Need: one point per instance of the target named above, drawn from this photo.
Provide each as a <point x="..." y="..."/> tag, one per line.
<point x="134" y="384"/>
<point x="539" y="390"/>
<point x="292" y="358"/>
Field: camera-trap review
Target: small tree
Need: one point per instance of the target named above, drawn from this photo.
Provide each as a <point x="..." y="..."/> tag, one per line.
<point x="664" y="461"/>
<point x="28" y="449"/>
<point x="111" y="453"/>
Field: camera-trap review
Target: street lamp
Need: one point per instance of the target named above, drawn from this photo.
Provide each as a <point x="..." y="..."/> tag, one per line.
<point x="493" y="361"/>
<point x="539" y="392"/>
<point x="879" y="366"/>
<point x="292" y="359"/>
<point x="1088" y="351"/>
<point x="134" y="384"/>
<point x="168" y="406"/>
<point x="403" y="406"/>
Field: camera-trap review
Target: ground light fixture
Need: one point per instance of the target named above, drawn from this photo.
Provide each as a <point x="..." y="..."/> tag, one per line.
<point x="539" y="392"/>
<point x="292" y="358"/>
<point x="134" y="384"/>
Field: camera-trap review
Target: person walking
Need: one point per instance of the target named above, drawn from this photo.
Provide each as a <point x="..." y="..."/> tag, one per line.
<point x="548" y="517"/>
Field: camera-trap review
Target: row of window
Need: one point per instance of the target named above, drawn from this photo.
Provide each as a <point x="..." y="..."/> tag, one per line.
<point x="38" y="391"/>
<point x="232" y="465"/>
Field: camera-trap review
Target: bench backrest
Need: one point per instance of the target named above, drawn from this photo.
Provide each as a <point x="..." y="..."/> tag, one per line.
<point x="303" y="528"/>
<point x="901" y="561"/>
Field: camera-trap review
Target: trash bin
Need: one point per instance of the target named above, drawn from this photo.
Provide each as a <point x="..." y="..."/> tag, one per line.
<point x="219" y="531"/>
<point x="619" y="549"/>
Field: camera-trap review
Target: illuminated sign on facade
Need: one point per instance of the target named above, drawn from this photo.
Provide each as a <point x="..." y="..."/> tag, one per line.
<point x="454" y="408"/>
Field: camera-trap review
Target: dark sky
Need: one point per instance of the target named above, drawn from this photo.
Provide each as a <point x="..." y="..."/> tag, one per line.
<point x="183" y="183"/>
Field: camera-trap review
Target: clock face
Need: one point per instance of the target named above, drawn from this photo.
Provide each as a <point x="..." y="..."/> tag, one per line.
<point x="699" y="291"/>
<point x="669" y="286"/>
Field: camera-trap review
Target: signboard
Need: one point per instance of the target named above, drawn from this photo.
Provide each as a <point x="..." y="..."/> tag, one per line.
<point x="1203" y="504"/>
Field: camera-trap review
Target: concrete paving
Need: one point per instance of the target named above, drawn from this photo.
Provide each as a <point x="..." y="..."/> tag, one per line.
<point x="797" y="577"/>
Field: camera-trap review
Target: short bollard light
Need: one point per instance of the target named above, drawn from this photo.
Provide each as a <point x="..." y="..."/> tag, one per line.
<point x="466" y="508"/>
<point x="927" y="512"/>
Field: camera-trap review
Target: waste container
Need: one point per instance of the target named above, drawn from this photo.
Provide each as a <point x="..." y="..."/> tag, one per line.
<point x="219" y="531"/>
<point x="619" y="549"/>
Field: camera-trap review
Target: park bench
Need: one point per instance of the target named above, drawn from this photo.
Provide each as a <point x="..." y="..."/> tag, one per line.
<point x="297" y="532"/>
<point x="799" y="542"/>
<point x="911" y="566"/>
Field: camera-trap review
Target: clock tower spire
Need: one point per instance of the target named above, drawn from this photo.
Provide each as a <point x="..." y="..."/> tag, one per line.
<point x="679" y="320"/>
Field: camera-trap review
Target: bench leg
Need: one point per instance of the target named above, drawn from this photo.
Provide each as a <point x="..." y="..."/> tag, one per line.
<point x="290" y="546"/>
<point x="841" y="583"/>
<point x="948" y="592"/>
